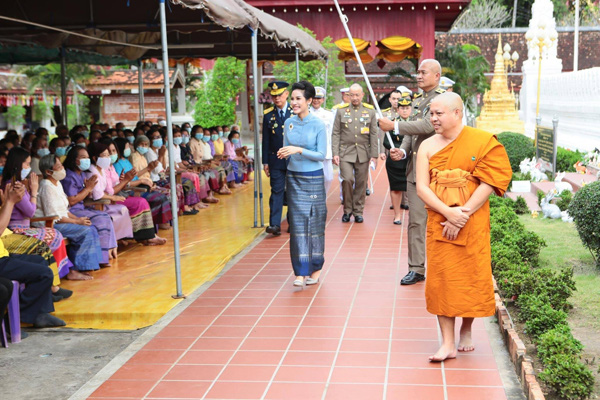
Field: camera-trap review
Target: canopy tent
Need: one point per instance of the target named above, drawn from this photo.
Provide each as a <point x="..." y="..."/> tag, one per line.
<point x="132" y="28"/>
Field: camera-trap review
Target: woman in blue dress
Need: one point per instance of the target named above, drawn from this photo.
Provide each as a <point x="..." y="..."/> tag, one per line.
<point x="305" y="146"/>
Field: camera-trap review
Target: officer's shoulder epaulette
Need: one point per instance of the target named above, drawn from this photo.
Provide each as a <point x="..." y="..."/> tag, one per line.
<point x="367" y="105"/>
<point x="343" y="105"/>
<point x="440" y="90"/>
<point x="387" y="109"/>
<point x="417" y="95"/>
<point x="268" y="110"/>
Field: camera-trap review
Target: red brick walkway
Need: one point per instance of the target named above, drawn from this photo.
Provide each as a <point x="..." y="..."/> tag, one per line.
<point x="356" y="335"/>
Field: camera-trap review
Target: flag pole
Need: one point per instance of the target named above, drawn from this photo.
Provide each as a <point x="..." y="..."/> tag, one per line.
<point x="344" y="20"/>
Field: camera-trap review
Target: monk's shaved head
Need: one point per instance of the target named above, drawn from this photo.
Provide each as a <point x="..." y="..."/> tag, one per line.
<point x="450" y="100"/>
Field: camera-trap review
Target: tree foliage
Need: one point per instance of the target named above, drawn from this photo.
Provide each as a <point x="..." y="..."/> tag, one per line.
<point x="465" y="65"/>
<point x="483" y="14"/>
<point x="218" y="92"/>
<point x="314" y="71"/>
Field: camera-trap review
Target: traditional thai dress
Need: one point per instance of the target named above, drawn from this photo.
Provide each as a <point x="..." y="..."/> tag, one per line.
<point x="239" y="168"/>
<point x="140" y="162"/>
<point x="250" y="164"/>
<point x="21" y="244"/>
<point x="19" y="224"/>
<point x="118" y="212"/>
<point x="459" y="272"/>
<point x="73" y="184"/>
<point x="160" y="203"/>
<point x="305" y="186"/>
<point x="139" y="209"/>
<point x="84" y="247"/>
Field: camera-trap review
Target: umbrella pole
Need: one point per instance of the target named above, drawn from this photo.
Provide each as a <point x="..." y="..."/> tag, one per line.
<point x="297" y="65"/>
<point x="257" y="153"/>
<point x="174" y="207"/>
<point x="141" y="89"/>
<point x="63" y="86"/>
<point x="344" y="20"/>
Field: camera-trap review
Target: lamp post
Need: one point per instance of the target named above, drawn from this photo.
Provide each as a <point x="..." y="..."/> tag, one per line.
<point x="542" y="38"/>
<point x="510" y="61"/>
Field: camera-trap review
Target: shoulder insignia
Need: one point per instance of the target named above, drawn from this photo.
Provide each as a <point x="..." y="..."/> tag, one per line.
<point x="417" y="95"/>
<point x="268" y="110"/>
<point x="345" y="105"/>
<point x="387" y="109"/>
<point x="440" y="90"/>
<point x="368" y="106"/>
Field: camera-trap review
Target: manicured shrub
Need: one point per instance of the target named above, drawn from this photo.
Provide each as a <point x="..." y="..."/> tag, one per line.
<point x="565" y="159"/>
<point x="540" y="196"/>
<point x="557" y="286"/>
<point x="544" y="318"/>
<point x="585" y="210"/>
<point x="520" y="206"/>
<point x="518" y="147"/>
<point x="564" y="200"/>
<point x="511" y="280"/>
<point x="557" y="341"/>
<point x="569" y="377"/>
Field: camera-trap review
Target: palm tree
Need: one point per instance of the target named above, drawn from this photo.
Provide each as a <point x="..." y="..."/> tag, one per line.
<point x="465" y="65"/>
<point x="48" y="78"/>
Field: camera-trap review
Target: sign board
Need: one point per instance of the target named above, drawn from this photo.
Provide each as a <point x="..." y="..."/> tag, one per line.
<point x="546" y="147"/>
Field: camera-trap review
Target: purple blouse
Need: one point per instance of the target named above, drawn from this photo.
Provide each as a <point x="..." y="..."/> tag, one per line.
<point x="72" y="185"/>
<point x="23" y="210"/>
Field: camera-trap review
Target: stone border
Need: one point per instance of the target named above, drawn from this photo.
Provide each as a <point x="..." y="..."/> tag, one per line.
<point x="517" y="351"/>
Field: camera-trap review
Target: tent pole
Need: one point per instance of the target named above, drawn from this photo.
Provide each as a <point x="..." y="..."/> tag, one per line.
<point x="257" y="152"/>
<point x="141" y="89"/>
<point x="297" y="65"/>
<point x="165" y="62"/>
<point x="63" y="86"/>
<point x="326" y="75"/>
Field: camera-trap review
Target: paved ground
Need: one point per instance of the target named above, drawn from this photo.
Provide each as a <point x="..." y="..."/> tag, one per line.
<point x="357" y="334"/>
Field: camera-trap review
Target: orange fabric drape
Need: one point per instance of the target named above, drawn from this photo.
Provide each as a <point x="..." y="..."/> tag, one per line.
<point x="397" y="48"/>
<point x="345" y="45"/>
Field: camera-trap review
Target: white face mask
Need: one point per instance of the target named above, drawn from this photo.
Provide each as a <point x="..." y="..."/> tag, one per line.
<point x="103" y="162"/>
<point x="59" y="175"/>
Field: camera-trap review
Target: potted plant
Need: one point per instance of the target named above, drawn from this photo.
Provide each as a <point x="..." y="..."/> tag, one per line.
<point x="15" y="116"/>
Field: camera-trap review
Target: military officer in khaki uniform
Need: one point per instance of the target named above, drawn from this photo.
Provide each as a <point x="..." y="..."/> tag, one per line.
<point x="415" y="131"/>
<point x="354" y="142"/>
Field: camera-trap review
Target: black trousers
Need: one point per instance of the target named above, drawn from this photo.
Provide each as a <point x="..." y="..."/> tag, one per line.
<point x="6" y="288"/>
<point x="33" y="271"/>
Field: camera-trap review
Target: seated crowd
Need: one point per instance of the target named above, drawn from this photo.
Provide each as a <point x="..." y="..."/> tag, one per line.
<point x="67" y="203"/>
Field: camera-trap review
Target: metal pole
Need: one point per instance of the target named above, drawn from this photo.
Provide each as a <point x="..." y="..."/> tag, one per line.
<point x="297" y="65"/>
<point x="165" y="59"/>
<point x="63" y="86"/>
<point x="514" y="18"/>
<point x="141" y="89"/>
<point x="576" y="38"/>
<point x="257" y="153"/>
<point x="326" y="75"/>
<point x="344" y="20"/>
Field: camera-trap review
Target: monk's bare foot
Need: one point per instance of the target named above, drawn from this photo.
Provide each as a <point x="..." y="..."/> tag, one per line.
<point x="442" y="354"/>
<point x="75" y="275"/>
<point x="465" y="343"/>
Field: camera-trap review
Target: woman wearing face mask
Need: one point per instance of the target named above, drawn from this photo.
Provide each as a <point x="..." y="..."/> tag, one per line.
<point x="77" y="188"/>
<point x="18" y="169"/>
<point x="84" y="248"/>
<point x="218" y="147"/>
<point x="158" y="151"/>
<point x="151" y="170"/>
<point x="111" y="186"/>
<point x="160" y="205"/>
<point x="237" y="162"/>
<point x="58" y="147"/>
<point x="39" y="148"/>
<point x="305" y="146"/>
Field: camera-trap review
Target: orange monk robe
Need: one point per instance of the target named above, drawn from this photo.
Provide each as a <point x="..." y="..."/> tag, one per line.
<point x="459" y="272"/>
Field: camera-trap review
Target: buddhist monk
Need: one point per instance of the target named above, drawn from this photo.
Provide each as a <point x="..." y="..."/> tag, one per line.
<point x="457" y="171"/>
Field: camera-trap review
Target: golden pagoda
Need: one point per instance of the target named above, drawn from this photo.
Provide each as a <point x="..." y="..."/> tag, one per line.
<point x="499" y="112"/>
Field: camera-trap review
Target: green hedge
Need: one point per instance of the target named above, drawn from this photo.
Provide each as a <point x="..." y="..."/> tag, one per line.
<point x="519" y="147"/>
<point x="585" y="210"/>
<point x="541" y="296"/>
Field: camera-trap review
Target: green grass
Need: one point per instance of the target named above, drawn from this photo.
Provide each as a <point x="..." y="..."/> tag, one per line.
<point x="564" y="249"/>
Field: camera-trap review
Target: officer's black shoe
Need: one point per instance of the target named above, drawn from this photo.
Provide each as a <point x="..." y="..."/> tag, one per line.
<point x="346" y="218"/>
<point x="404" y="207"/>
<point x="274" y="230"/>
<point x="411" y="278"/>
<point x="358" y="219"/>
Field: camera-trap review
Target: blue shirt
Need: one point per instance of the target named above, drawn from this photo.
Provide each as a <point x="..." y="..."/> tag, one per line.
<point x="309" y="133"/>
<point x="124" y="166"/>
